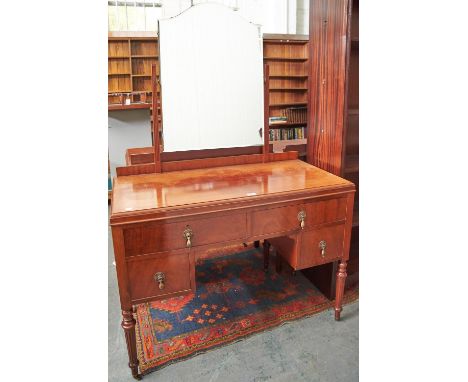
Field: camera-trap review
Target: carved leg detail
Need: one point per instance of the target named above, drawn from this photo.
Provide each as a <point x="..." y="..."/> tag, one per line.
<point x="128" y="325"/>
<point x="257" y="243"/>
<point x="266" y="255"/>
<point x="340" y="283"/>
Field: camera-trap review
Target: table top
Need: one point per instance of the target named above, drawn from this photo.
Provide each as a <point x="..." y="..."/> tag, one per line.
<point x="188" y="187"/>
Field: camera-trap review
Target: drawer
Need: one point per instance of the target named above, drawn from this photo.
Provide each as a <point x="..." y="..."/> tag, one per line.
<point x="174" y="271"/>
<point x="312" y="242"/>
<point x="160" y="237"/>
<point x="325" y="211"/>
<point x="274" y="220"/>
<point x="283" y="219"/>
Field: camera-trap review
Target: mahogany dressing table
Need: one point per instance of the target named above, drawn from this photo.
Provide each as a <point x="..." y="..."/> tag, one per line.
<point x="168" y="213"/>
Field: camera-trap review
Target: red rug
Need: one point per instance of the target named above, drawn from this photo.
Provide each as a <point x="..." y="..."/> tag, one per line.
<point x="234" y="299"/>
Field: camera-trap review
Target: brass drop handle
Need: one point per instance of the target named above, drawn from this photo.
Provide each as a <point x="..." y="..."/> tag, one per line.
<point x="160" y="278"/>
<point x="301" y="217"/>
<point x="323" y="246"/>
<point x="188" y="234"/>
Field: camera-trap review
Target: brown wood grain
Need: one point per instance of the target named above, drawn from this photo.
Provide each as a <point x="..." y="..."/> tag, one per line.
<point x="140" y="155"/>
<point x="143" y="192"/>
<point x="175" y="268"/>
<point x="148" y="168"/>
<point x="310" y="253"/>
<point x="266" y="113"/>
<point x="159" y="237"/>
<point x="155" y="121"/>
<point x="328" y="25"/>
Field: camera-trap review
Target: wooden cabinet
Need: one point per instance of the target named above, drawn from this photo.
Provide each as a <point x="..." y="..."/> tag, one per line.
<point x="351" y="143"/>
<point x="333" y="135"/>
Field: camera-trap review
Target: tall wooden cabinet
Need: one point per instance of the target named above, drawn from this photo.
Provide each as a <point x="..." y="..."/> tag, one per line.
<point x="333" y="125"/>
<point x="351" y="150"/>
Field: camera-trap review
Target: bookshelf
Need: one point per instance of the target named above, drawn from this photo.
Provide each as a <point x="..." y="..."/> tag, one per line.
<point x="130" y="57"/>
<point x="287" y="57"/>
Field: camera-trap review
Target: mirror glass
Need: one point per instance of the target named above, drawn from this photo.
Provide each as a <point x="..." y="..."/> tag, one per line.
<point x="211" y="62"/>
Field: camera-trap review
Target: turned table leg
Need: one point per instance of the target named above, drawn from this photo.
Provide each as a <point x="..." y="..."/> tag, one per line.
<point x="340" y="283"/>
<point x="128" y="325"/>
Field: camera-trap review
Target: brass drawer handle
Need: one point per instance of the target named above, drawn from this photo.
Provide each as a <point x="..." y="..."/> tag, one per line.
<point x="160" y="278"/>
<point x="323" y="246"/>
<point x="301" y="217"/>
<point x="188" y="234"/>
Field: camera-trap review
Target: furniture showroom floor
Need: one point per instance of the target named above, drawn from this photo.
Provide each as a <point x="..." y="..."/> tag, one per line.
<point x="312" y="349"/>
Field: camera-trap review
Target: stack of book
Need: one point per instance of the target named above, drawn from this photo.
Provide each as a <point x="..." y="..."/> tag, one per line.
<point x="287" y="134"/>
<point x="278" y="120"/>
<point x="296" y="114"/>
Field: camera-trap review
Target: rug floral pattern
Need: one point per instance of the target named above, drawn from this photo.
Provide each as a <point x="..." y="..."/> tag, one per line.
<point x="234" y="298"/>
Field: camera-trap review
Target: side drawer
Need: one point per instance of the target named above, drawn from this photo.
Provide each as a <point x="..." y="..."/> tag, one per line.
<point x="175" y="271"/>
<point x="329" y="238"/>
<point x="325" y="211"/>
<point x="283" y="219"/>
<point x="160" y="237"/>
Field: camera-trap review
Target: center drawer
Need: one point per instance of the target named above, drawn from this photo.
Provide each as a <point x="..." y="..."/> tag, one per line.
<point x="160" y="237"/>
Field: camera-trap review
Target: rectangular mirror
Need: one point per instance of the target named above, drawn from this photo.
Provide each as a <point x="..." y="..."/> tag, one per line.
<point x="211" y="62"/>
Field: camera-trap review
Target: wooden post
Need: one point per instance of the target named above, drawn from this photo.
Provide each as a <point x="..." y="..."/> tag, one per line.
<point x="155" y="125"/>
<point x="266" y="112"/>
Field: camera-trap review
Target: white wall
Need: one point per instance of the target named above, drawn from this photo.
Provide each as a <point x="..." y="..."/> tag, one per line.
<point x="127" y="129"/>
<point x="302" y="17"/>
<point x="275" y="16"/>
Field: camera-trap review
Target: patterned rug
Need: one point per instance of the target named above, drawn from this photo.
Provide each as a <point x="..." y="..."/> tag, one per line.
<point x="234" y="299"/>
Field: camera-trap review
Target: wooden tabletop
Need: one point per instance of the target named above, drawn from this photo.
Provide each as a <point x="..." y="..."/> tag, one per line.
<point x="181" y="188"/>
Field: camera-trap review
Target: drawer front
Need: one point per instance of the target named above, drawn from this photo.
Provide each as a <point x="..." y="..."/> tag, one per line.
<point x="160" y="276"/>
<point x="160" y="237"/>
<point x="321" y="246"/>
<point x="274" y="220"/>
<point x="325" y="211"/>
<point x="284" y="219"/>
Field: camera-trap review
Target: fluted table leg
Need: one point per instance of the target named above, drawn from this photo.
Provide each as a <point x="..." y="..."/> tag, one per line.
<point x="340" y="284"/>
<point x="128" y="325"/>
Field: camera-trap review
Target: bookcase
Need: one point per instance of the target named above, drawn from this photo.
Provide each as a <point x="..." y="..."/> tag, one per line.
<point x="130" y="57"/>
<point x="287" y="58"/>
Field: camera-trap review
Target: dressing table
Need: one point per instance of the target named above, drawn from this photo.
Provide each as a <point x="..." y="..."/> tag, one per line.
<point x="194" y="197"/>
